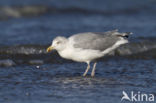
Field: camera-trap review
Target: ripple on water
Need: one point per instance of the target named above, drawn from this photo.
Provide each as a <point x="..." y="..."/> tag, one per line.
<point x="64" y="81"/>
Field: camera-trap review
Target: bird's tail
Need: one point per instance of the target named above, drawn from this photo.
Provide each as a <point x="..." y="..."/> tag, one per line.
<point x="126" y="34"/>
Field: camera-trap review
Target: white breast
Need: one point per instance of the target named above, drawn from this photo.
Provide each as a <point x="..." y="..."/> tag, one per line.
<point x="80" y="55"/>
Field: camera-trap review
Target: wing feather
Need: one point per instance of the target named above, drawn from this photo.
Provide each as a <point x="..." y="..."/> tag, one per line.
<point x="95" y="41"/>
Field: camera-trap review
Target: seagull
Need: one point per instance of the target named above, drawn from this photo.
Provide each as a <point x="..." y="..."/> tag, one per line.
<point x="89" y="46"/>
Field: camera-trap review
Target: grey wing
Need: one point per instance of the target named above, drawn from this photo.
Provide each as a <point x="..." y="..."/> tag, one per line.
<point x="95" y="41"/>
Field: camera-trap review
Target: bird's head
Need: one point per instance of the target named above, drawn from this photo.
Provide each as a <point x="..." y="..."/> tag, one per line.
<point x="59" y="44"/>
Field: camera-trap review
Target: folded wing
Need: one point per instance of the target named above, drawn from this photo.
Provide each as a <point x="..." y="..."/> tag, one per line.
<point x="96" y="41"/>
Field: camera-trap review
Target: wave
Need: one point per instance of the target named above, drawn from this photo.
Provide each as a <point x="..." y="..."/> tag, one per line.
<point x="36" y="54"/>
<point x="36" y="10"/>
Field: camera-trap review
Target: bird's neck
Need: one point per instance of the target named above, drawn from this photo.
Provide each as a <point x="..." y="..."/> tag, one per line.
<point x="65" y="53"/>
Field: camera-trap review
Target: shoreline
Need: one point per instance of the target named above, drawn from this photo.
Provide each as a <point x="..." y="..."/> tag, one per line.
<point x="37" y="55"/>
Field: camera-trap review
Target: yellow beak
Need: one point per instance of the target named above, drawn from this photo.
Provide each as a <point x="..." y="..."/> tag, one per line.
<point x="50" y="49"/>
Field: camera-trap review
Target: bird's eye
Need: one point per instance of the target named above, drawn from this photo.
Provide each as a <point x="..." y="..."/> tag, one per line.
<point x="58" y="42"/>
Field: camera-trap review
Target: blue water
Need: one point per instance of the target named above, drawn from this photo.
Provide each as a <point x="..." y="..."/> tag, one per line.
<point x="126" y="15"/>
<point x="55" y="83"/>
<point x="63" y="82"/>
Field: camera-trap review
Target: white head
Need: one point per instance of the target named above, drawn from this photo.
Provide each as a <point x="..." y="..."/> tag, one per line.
<point x="59" y="44"/>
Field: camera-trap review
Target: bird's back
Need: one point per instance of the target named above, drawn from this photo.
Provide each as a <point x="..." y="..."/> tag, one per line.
<point x="95" y="40"/>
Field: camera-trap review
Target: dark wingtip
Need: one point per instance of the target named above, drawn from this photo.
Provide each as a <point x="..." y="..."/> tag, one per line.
<point x="126" y="34"/>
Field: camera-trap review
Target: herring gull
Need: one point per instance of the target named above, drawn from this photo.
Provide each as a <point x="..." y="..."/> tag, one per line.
<point x="89" y="46"/>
